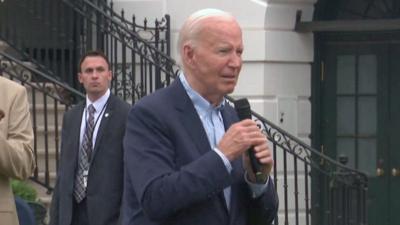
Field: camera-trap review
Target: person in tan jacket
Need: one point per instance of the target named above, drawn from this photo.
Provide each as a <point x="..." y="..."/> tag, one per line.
<point x="16" y="139"/>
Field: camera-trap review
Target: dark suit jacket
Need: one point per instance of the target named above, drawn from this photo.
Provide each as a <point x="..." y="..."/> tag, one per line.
<point x="105" y="179"/>
<point x="172" y="176"/>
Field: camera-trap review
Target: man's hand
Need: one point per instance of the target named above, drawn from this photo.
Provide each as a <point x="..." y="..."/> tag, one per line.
<point x="239" y="138"/>
<point x="264" y="157"/>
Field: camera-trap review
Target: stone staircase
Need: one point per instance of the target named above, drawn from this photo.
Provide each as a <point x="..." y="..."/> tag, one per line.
<point x="51" y="132"/>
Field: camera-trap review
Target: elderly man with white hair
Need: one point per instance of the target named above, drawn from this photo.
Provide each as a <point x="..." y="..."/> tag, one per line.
<point x="185" y="149"/>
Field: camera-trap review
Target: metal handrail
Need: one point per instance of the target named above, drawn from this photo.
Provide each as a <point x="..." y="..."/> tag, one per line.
<point x="9" y="64"/>
<point x="43" y="88"/>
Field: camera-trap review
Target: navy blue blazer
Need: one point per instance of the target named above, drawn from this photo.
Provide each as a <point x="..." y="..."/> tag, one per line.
<point x="172" y="176"/>
<point x="105" y="179"/>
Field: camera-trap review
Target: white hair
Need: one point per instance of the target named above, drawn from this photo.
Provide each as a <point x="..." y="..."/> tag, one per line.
<point x="192" y="25"/>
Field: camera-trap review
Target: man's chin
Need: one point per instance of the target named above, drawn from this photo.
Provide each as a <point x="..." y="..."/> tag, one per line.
<point x="228" y="91"/>
<point x="96" y="92"/>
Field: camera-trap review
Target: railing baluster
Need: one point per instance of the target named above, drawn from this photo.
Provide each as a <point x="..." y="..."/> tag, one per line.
<point x="133" y="77"/>
<point x="306" y="199"/>
<point x="276" y="222"/>
<point x="35" y="128"/>
<point x="296" y="191"/>
<point x="56" y="133"/>
<point x="46" y="141"/>
<point x="123" y="71"/>
<point x="285" y="188"/>
<point x="116" y="66"/>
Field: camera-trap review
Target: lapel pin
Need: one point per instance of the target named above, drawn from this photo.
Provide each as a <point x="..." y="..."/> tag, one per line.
<point x="106" y="115"/>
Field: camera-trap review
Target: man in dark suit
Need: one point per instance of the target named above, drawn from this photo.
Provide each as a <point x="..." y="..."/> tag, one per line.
<point x="185" y="149"/>
<point x="89" y="184"/>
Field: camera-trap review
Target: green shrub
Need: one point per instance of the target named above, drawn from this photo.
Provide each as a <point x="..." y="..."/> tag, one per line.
<point x="24" y="190"/>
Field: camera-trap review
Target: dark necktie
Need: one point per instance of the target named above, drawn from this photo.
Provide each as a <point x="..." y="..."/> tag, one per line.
<point x="85" y="153"/>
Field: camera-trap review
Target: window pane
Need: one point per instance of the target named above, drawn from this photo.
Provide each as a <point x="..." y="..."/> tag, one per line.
<point x="367" y="70"/>
<point x="346" y="147"/>
<point x="367" y="156"/>
<point x="367" y="117"/>
<point x="345" y="116"/>
<point x="346" y="74"/>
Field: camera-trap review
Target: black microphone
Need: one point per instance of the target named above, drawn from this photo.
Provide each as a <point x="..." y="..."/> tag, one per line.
<point x="243" y="111"/>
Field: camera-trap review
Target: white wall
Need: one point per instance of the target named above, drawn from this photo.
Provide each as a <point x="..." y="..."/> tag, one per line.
<point x="276" y="74"/>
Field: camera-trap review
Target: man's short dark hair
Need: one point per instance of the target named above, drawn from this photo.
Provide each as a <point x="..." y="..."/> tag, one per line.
<point x="94" y="53"/>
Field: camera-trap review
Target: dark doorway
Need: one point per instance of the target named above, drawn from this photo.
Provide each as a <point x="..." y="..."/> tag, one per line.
<point x="359" y="83"/>
<point x="356" y="113"/>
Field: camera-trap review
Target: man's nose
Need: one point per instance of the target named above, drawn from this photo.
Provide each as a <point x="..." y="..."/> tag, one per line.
<point x="235" y="61"/>
<point x="95" y="74"/>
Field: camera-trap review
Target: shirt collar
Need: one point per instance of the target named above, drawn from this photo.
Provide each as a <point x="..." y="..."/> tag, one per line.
<point x="99" y="103"/>
<point x="201" y="104"/>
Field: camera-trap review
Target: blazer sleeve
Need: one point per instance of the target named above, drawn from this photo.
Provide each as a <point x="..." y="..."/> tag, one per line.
<point x="55" y="200"/>
<point x="263" y="210"/>
<point x="164" y="187"/>
<point x="55" y="205"/>
<point x="16" y="155"/>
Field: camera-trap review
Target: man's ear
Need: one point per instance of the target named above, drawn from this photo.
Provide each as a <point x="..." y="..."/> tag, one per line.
<point x="188" y="55"/>
<point x="110" y="75"/>
<point x="80" y="78"/>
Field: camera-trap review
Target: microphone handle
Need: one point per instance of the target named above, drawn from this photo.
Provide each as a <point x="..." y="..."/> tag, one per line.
<point x="256" y="167"/>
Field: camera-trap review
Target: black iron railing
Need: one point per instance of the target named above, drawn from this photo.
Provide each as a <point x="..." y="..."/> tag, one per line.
<point x="313" y="188"/>
<point x="49" y="99"/>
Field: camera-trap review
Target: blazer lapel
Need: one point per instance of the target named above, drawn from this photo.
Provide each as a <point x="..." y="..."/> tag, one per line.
<point x="195" y="129"/>
<point x="73" y="143"/>
<point x="77" y="126"/>
<point x="190" y="118"/>
<point x="103" y="125"/>
<point x="229" y="116"/>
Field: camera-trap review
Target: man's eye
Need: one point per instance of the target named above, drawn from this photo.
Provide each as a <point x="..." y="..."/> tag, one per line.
<point x="101" y="69"/>
<point x="89" y="71"/>
<point x="223" y="50"/>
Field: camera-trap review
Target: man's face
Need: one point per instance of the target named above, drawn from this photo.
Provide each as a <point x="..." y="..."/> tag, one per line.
<point x="95" y="76"/>
<point x="216" y="59"/>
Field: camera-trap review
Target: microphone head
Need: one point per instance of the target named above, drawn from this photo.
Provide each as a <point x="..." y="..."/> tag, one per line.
<point x="242" y="107"/>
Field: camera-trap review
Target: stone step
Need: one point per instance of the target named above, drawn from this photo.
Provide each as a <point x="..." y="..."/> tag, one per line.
<point x="52" y="114"/>
<point x="42" y="193"/>
<point x="53" y="139"/>
<point x="41" y="160"/>
<point x="40" y="98"/>
<point x="52" y="178"/>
